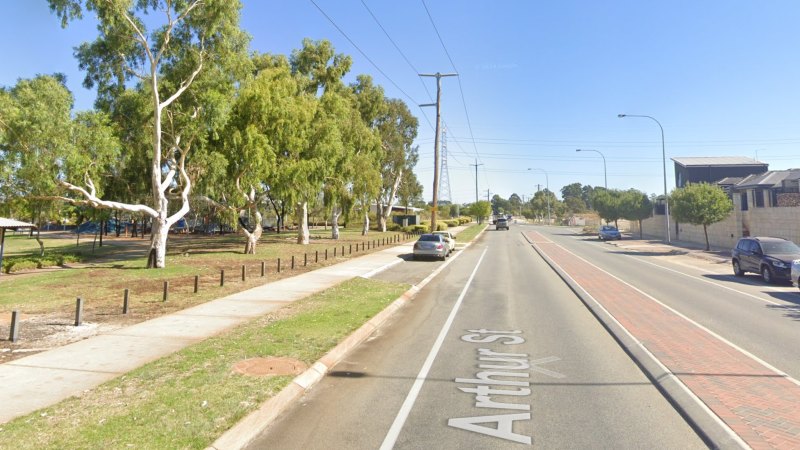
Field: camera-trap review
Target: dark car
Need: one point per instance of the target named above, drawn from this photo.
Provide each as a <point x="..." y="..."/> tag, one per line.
<point x="771" y="257"/>
<point x="501" y="224"/>
<point x="608" y="232"/>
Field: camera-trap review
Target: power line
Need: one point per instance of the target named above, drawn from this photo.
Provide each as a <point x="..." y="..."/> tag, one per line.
<point x="362" y="52"/>
<point x="460" y="88"/>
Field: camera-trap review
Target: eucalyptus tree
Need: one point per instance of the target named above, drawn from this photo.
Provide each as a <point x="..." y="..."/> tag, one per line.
<point x="321" y="69"/>
<point x="397" y="129"/>
<point x="368" y="166"/>
<point x="410" y="190"/>
<point x="268" y="119"/>
<point x="41" y="144"/>
<point x="186" y="66"/>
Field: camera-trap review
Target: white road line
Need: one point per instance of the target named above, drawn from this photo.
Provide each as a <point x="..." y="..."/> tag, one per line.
<point x="683" y="316"/>
<point x="405" y="409"/>
<point x="694" y="277"/>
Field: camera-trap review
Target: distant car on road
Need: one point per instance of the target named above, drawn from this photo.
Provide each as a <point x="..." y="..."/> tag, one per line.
<point x="431" y="246"/>
<point x="608" y="232"/>
<point x="501" y="224"/>
<point x="449" y="238"/>
<point x="771" y="257"/>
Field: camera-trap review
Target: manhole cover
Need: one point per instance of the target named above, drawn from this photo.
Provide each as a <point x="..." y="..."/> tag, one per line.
<point x="264" y="367"/>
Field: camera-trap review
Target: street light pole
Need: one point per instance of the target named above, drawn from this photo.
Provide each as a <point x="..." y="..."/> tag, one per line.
<point x="547" y="194"/>
<point x="605" y="174"/>
<point x="436" y="141"/>
<point x="664" y="164"/>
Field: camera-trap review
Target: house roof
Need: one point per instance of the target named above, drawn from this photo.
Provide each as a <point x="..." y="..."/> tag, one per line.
<point x="728" y="181"/>
<point x="773" y="178"/>
<point x="717" y="161"/>
<point x="14" y="224"/>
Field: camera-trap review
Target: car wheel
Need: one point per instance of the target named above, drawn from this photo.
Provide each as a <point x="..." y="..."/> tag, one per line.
<point x="736" y="269"/>
<point x="766" y="274"/>
<point x="443" y="257"/>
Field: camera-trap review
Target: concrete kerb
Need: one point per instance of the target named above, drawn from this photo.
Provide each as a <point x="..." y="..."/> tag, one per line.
<point x="705" y="422"/>
<point x="247" y="429"/>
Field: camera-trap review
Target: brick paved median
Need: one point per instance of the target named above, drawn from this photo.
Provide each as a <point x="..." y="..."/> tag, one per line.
<point x="760" y="405"/>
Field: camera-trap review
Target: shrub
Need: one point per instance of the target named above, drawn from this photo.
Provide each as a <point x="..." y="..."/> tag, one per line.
<point x="441" y="226"/>
<point x="21" y="264"/>
<point x="393" y="227"/>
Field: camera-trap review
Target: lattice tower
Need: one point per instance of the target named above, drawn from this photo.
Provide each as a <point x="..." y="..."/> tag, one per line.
<point x="444" y="178"/>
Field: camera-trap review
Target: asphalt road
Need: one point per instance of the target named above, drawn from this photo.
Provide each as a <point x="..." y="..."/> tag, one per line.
<point x="496" y="352"/>
<point x="762" y="319"/>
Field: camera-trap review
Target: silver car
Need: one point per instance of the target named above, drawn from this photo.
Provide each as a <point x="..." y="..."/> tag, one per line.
<point x="431" y="246"/>
<point x="796" y="272"/>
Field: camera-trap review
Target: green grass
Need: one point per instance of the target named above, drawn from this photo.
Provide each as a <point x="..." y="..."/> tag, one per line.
<point x="469" y="233"/>
<point x="188" y="399"/>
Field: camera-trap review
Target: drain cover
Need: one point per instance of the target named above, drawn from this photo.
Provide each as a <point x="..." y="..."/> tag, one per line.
<point x="265" y="367"/>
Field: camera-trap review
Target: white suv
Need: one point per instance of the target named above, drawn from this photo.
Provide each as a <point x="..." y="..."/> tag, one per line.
<point x="451" y="240"/>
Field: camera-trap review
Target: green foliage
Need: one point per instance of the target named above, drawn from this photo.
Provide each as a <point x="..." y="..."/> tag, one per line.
<point x="700" y="204"/>
<point x="608" y="204"/>
<point x="441" y="226"/>
<point x="19" y="263"/>
<point x="479" y="209"/>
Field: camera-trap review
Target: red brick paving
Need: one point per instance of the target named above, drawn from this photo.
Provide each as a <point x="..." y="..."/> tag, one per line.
<point x="758" y="404"/>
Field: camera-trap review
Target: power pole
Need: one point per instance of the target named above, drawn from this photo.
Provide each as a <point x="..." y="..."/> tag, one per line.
<point x="476" y="178"/>
<point x="439" y="77"/>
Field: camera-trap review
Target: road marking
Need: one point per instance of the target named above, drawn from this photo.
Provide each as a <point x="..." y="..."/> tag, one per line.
<point x="694" y="277"/>
<point x="411" y="398"/>
<point x="675" y="311"/>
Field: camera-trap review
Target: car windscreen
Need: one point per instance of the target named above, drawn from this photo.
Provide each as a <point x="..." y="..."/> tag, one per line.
<point x="780" y="247"/>
<point x="430" y="237"/>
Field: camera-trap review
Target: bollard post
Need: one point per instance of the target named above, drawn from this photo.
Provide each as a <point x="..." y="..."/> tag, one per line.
<point x="351" y="249"/>
<point x="222" y="277"/>
<point x="343" y="251"/>
<point x="196" y="283"/>
<point x="292" y="262"/>
<point x="263" y="268"/>
<point x="166" y="290"/>
<point x="279" y="265"/>
<point x="305" y="259"/>
<point x="14" y="326"/>
<point x="244" y="273"/>
<point x="326" y="254"/>
<point x="125" y="298"/>
<point x="334" y="252"/>
<point x="79" y="312"/>
<point x="316" y="256"/>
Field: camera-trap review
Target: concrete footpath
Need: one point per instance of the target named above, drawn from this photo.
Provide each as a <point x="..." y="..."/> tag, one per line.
<point x="46" y="378"/>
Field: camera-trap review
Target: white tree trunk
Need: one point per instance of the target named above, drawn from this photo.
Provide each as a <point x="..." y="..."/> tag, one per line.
<point x="383" y="217"/>
<point x="335" y="223"/>
<point x="157" y="257"/>
<point x="252" y="238"/>
<point x="365" y="230"/>
<point x="302" y="221"/>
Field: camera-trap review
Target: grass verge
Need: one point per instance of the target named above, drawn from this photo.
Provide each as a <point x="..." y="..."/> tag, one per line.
<point x="190" y="398"/>
<point x="470" y="232"/>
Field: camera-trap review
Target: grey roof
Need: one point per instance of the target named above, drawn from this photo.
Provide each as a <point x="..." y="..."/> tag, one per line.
<point x="11" y="223"/>
<point x="730" y="180"/>
<point x="718" y="161"/>
<point x="773" y="178"/>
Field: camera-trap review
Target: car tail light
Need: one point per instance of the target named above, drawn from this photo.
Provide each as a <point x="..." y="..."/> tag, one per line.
<point x="439" y="246"/>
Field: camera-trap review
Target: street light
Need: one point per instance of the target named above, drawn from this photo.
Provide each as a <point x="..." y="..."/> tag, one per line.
<point x="605" y="174"/>
<point x="664" y="163"/>
<point x="547" y="196"/>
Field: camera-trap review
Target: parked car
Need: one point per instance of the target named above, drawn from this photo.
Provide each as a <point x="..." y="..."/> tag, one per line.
<point x="771" y="257"/>
<point x="501" y="224"/>
<point x="608" y="232"/>
<point x="449" y="238"/>
<point x="431" y="245"/>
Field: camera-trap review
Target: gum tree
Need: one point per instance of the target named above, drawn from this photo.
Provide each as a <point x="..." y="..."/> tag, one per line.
<point x="185" y="65"/>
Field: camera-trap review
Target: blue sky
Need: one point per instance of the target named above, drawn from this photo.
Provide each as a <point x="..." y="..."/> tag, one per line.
<point x="539" y="79"/>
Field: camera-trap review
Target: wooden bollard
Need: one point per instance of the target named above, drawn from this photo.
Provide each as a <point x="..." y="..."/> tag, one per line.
<point x="316" y="256"/>
<point x="351" y="249"/>
<point x="166" y="291"/>
<point x="279" y="265"/>
<point x="305" y="259"/>
<point x="326" y="254"/>
<point x="292" y="262"/>
<point x="125" y="300"/>
<point x="334" y="252"/>
<point x="79" y="312"/>
<point x="14" y="336"/>
<point x="244" y="272"/>
<point x="196" y="283"/>
<point x="222" y="277"/>
<point x="263" y="268"/>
